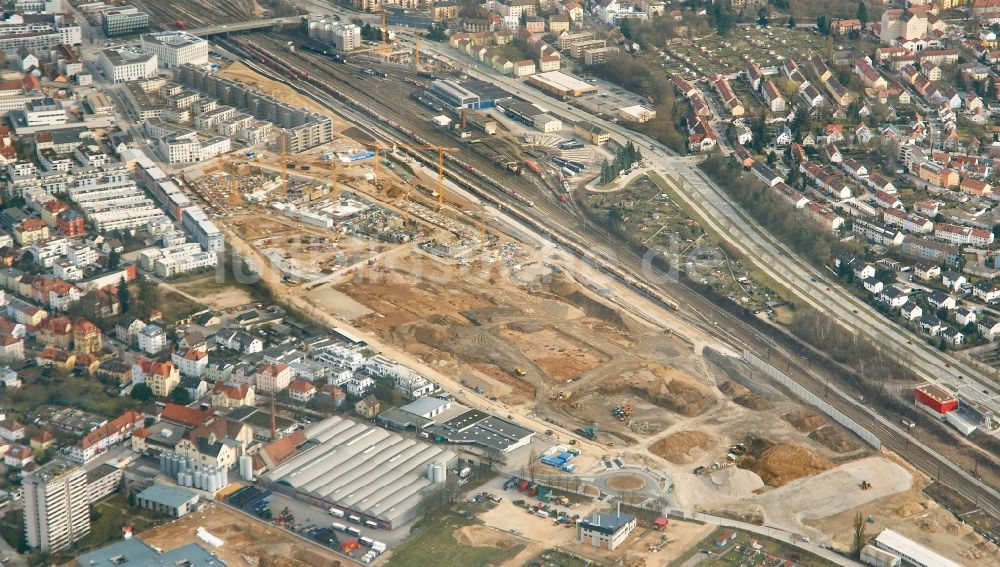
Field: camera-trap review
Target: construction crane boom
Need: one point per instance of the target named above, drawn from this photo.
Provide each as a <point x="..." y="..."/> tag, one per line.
<point x="283" y="190"/>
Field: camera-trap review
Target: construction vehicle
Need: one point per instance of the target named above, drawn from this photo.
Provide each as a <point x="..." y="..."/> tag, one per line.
<point x="589" y="432"/>
<point x="865" y="485"/>
<point x="622" y="412"/>
<point x="520" y="371"/>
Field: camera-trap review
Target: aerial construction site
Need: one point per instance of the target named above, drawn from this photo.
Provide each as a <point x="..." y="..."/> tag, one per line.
<point x="591" y="338"/>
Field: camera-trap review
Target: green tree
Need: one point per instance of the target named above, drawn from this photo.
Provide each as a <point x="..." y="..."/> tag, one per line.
<point x="862" y="14"/>
<point x="142" y="392"/>
<point x="605" y="172"/>
<point x="823" y="25"/>
<point x="124" y="295"/>
<point x="180" y="396"/>
<point x="791" y="21"/>
<point x="625" y="26"/>
<point x="114" y="258"/>
<point x="147" y="294"/>
<point x="762" y="19"/>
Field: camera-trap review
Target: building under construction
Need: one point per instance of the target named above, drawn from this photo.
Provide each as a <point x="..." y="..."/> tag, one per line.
<point x="302" y="129"/>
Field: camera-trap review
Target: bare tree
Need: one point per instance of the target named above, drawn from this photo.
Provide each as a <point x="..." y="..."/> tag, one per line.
<point x="859" y="535"/>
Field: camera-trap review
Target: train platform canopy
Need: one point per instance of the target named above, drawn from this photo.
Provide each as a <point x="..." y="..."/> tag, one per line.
<point x="368" y="470"/>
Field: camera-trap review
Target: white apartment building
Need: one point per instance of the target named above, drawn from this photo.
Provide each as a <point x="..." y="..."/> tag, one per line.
<point x="173" y="48"/>
<point x="344" y="36"/>
<point x="123" y="65"/>
<point x="45" y="253"/>
<point x="56" y="506"/>
<point x="81" y="255"/>
<point x="44" y="112"/>
<point x="152" y="339"/>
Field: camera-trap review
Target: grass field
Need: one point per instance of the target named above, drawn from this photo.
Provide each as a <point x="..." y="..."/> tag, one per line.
<point x="435" y="545"/>
<point x="556" y="558"/>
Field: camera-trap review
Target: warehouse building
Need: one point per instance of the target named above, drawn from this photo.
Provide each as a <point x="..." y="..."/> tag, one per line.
<point x="135" y="552"/>
<point x="911" y="552"/>
<point x="482" y="430"/>
<point x="470" y="94"/>
<point x="531" y="115"/>
<point x="560" y="84"/>
<point x="370" y="473"/>
<point x="172" y="501"/>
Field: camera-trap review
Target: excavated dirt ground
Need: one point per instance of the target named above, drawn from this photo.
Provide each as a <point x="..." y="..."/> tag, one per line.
<point x="678" y="447"/>
<point x="785" y="462"/>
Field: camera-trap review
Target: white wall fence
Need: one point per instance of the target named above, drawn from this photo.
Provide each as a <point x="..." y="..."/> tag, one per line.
<point x="812" y="399"/>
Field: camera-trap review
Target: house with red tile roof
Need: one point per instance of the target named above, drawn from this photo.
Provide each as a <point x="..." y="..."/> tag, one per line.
<point x="301" y="390"/>
<point x="102" y="438"/>
<point x="232" y="395"/>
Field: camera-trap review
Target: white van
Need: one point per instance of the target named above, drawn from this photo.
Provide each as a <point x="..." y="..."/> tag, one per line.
<point x="336" y="512"/>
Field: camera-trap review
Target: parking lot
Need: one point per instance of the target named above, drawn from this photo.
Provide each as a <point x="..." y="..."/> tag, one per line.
<point x="312" y="522"/>
<point x="607" y="99"/>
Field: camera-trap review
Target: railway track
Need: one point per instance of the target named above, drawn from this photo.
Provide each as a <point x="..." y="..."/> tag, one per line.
<point x="548" y="219"/>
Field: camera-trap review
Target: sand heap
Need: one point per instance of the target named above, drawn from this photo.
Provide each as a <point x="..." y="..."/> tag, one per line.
<point x="665" y="386"/>
<point x="676" y="447"/>
<point x="805" y="420"/>
<point x="744" y="397"/>
<point x="785" y="462"/>
<point x="734" y="482"/>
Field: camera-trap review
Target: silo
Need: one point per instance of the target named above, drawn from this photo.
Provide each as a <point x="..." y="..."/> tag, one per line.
<point x="171" y="468"/>
<point x="246" y="467"/>
<point x="182" y="478"/>
<point x="211" y="483"/>
<point x="224" y="477"/>
<point x="163" y="463"/>
<point x="439" y="473"/>
<point x="199" y="479"/>
<point x="430" y="472"/>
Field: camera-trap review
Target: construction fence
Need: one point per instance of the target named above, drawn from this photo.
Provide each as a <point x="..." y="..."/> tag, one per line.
<point x="812" y="399"/>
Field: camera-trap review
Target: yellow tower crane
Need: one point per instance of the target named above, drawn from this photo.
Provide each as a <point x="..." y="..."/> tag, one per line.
<point x="283" y="188"/>
<point x="235" y="199"/>
<point x="385" y="48"/>
<point x="441" y="150"/>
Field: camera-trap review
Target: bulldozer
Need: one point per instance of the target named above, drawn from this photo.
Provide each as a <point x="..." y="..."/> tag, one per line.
<point x="865" y="485"/>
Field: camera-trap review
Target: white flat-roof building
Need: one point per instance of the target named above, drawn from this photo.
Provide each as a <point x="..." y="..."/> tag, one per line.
<point x="122" y="65"/>
<point x="911" y="552"/>
<point x="173" y="48"/>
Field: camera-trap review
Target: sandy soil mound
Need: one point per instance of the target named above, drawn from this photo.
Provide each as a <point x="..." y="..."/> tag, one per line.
<point x="480" y="536"/>
<point x="805" y="420"/>
<point x="786" y="462"/>
<point x="744" y="397"/>
<point x="676" y="447"/>
<point x="664" y="386"/>
<point x="738" y="483"/>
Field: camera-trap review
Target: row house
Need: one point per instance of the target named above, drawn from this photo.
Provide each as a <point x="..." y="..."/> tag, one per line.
<point x="963" y="235"/>
<point x="869" y="75"/>
<point x="989" y="328"/>
<point x="811" y="95"/>
<point x="701" y="136"/>
<point x="975" y="187"/>
<point x="729" y="98"/>
<point x="824" y="216"/>
<point x="854" y="168"/>
<point x="876" y="233"/>
<point x="109" y="435"/>
<point x="840" y="95"/>
<point x="887" y="201"/>
<point x="793" y="197"/>
<point x="792" y="72"/>
<point x="907" y="221"/>
<point x="775" y="102"/>
<point x="879" y="182"/>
